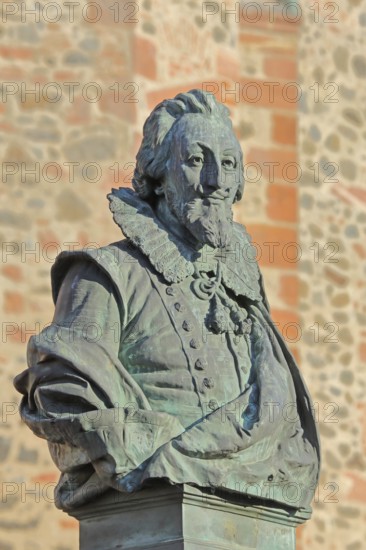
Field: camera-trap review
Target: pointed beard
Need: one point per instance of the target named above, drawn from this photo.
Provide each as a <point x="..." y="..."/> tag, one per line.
<point x="209" y="223"/>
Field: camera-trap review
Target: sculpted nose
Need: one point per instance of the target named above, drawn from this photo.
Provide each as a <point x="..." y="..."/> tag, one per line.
<point x="213" y="175"/>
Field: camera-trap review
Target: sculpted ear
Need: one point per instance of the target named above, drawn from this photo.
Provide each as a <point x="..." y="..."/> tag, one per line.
<point x="159" y="189"/>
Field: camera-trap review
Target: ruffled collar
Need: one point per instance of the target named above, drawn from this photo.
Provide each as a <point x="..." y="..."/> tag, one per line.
<point x="176" y="260"/>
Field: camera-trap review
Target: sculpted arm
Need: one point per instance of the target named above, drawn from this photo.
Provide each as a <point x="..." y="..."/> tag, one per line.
<point x="78" y="395"/>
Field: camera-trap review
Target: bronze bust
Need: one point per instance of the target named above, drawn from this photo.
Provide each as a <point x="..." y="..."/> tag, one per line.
<point x="162" y="361"/>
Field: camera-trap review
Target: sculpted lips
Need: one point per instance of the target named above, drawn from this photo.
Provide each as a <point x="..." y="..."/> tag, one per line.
<point x="216" y="196"/>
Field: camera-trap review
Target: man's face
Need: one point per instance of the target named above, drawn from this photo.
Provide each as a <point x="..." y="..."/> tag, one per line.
<point x="202" y="177"/>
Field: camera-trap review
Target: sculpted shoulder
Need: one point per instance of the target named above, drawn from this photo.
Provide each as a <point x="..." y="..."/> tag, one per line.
<point x="121" y="261"/>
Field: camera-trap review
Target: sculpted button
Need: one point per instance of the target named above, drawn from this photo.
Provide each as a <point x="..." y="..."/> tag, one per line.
<point x="170" y="291"/>
<point x="194" y="343"/>
<point x="208" y="382"/>
<point x="200" y="364"/>
<point x="212" y="404"/>
<point x="179" y="307"/>
<point x="130" y="410"/>
<point x="187" y="326"/>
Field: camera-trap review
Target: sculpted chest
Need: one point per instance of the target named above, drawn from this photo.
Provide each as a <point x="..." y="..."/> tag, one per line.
<point x="182" y="367"/>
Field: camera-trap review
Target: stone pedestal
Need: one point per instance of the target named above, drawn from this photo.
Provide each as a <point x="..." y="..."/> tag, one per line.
<point x="176" y="518"/>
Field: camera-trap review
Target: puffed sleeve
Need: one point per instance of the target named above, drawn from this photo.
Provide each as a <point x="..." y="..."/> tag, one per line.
<point x="78" y="395"/>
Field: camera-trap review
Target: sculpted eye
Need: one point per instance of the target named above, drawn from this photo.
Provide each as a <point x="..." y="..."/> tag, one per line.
<point x="228" y="164"/>
<point x="196" y="160"/>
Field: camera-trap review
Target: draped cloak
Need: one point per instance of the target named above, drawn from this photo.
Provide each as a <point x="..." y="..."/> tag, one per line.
<point x="128" y="384"/>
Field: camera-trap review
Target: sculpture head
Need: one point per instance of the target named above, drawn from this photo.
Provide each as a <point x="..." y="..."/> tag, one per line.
<point x="191" y="161"/>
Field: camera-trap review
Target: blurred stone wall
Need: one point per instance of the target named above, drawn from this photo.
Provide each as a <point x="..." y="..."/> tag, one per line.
<point x="70" y="141"/>
<point x="77" y="85"/>
<point x="332" y="227"/>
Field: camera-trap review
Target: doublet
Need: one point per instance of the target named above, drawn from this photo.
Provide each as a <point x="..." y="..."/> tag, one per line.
<point x="160" y="334"/>
<point x="130" y="383"/>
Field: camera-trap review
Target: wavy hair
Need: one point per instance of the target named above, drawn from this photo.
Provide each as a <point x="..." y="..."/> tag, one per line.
<point x="157" y="136"/>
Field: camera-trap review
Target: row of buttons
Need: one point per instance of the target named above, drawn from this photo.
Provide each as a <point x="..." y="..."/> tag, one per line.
<point x="188" y="327"/>
<point x="200" y="363"/>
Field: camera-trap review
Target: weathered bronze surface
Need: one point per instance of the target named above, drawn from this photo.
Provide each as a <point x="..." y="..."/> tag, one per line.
<point x="162" y="361"/>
